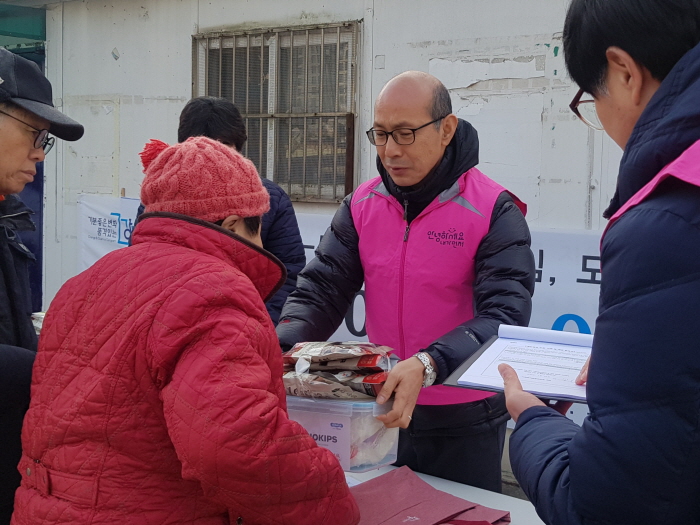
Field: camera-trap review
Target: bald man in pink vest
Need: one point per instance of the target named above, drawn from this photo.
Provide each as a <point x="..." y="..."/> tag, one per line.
<point x="444" y="253"/>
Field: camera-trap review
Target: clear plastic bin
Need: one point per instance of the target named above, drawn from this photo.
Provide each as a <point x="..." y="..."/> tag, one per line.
<point x="348" y="428"/>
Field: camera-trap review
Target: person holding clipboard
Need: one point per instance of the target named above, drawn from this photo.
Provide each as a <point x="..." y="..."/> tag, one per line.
<point x="636" y="459"/>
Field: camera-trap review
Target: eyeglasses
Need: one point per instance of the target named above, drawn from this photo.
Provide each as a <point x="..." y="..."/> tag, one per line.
<point x="42" y="139"/>
<point x="402" y="136"/>
<point x="585" y="110"/>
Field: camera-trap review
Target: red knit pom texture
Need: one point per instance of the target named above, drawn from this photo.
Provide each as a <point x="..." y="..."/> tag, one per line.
<point x="151" y="150"/>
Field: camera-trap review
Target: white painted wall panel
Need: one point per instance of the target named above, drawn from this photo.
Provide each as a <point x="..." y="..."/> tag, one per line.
<point x="501" y="59"/>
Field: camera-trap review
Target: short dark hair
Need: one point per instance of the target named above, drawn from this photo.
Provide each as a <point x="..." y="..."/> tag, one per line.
<point x="442" y="104"/>
<point x="656" y="34"/>
<point x="252" y="224"/>
<point x="216" y="118"/>
<point x="6" y="100"/>
<point x="6" y="105"/>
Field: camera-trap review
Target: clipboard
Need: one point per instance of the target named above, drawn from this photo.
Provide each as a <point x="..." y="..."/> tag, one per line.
<point x="453" y="379"/>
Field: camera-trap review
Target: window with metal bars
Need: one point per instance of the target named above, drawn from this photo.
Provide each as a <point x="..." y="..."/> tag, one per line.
<point x="295" y="88"/>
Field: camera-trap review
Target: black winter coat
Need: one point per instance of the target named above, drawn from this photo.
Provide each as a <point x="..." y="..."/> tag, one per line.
<point x="16" y="327"/>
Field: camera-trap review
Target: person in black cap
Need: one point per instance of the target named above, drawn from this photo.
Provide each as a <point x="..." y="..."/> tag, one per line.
<point x="27" y="121"/>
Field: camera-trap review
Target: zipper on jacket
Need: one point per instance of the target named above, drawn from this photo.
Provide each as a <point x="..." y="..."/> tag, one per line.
<point x="405" y="217"/>
<point x="402" y="349"/>
<point x="402" y="272"/>
<point x="14" y="215"/>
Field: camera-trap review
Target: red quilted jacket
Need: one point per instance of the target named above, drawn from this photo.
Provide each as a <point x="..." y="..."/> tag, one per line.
<point x="157" y="395"/>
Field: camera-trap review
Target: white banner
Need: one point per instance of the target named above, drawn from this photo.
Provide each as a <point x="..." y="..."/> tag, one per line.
<point x="104" y="224"/>
<point x="568" y="279"/>
<point x="568" y="264"/>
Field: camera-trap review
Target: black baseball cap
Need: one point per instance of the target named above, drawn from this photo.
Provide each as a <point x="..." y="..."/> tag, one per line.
<point x="28" y="88"/>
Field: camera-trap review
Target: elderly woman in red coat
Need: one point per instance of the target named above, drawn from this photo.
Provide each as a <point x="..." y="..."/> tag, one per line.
<point x="157" y="395"/>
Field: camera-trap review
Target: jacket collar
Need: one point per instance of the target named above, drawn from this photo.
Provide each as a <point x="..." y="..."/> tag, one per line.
<point x="14" y="214"/>
<point x="669" y="125"/>
<point x="265" y="271"/>
<point x="451" y="194"/>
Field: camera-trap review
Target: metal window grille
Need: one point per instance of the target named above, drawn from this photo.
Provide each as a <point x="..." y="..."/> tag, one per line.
<point x="295" y="88"/>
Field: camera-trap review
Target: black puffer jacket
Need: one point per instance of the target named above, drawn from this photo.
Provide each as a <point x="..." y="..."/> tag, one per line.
<point x="505" y="269"/>
<point x="16" y="327"/>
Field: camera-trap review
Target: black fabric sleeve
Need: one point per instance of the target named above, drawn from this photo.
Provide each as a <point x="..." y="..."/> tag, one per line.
<point x="503" y="288"/>
<point x="16" y="373"/>
<point x="326" y="286"/>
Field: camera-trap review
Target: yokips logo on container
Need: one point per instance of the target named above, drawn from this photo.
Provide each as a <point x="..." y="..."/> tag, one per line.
<point x="329" y="430"/>
<point x="320" y="438"/>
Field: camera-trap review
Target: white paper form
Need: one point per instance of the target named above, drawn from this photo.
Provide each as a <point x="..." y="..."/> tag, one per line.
<point x="547" y="362"/>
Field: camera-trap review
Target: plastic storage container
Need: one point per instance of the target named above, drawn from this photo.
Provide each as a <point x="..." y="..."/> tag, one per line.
<point x="348" y="428"/>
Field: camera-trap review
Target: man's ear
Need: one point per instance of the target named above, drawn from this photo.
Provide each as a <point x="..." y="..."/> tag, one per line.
<point x="448" y="129"/>
<point x="626" y="75"/>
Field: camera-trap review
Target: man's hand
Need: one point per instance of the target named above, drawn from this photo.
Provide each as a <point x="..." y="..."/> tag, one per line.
<point x="405" y="381"/>
<point x="517" y="400"/>
<point x="583" y="374"/>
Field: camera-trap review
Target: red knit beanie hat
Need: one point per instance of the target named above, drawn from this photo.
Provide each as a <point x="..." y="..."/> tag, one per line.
<point x="201" y="178"/>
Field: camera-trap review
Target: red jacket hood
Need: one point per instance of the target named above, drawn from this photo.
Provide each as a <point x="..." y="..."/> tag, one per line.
<point x="266" y="272"/>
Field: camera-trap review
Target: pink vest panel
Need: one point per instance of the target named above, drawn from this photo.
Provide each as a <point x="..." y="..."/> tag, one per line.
<point x="419" y="285"/>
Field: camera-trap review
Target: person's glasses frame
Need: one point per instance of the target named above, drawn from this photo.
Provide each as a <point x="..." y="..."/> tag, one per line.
<point x="42" y="139"/>
<point x="378" y="137"/>
<point x="576" y="102"/>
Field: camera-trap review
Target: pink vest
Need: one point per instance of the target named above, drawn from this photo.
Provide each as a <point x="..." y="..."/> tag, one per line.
<point x="685" y="168"/>
<point x="419" y="281"/>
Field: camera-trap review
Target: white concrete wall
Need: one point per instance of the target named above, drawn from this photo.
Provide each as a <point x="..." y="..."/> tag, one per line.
<point x="501" y="59"/>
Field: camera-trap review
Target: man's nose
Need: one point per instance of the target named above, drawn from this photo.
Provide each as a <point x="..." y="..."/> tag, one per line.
<point x="392" y="149"/>
<point x="37" y="154"/>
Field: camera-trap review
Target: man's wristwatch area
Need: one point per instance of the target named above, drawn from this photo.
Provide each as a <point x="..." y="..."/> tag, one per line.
<point x="430" y="374"/>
